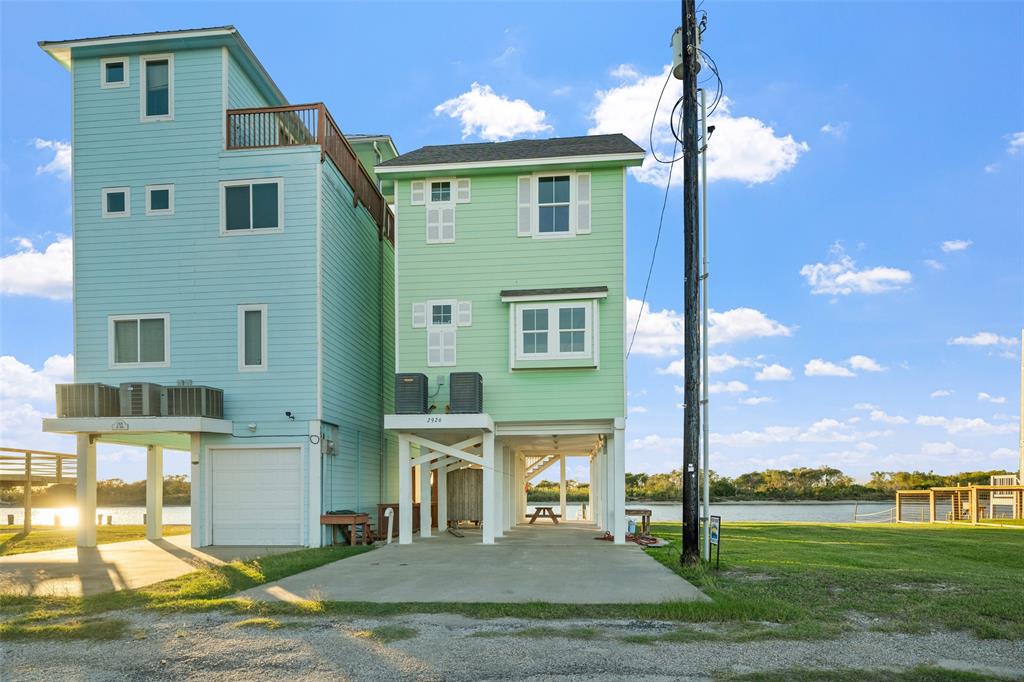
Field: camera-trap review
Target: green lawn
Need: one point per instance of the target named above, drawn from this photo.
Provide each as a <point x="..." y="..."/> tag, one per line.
<point x="777" y="581"/>
<point x="13" y="541"/>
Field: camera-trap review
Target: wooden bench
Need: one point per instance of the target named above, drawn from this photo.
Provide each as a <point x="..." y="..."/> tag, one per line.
<point x="645" y="519"/>
<point x="352" y="521"/>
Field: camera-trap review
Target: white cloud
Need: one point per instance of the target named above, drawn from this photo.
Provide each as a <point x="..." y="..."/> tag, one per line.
<point x="728" y="387"/>
<point x="841" y="276"/>
<point x="992" y="168"/>
<point x="865" y="363"/>
<point x="46" y="274"/>
<point x="951" y="245"/>
<point x="661" y="333"/>
<point x="20" y="381"/>
<point x="743" y="148"/>
<point x="941" y="393"/>
<point x="1016" y="142"/>
<point x="822" y="368"/>
<point x="934" y="264"/>
<point x="986" y="398"/>
<point x="774" y="372"/>
<point x="837" y="130"/>
<point x="756" y="400"/>
<point x="717" y="364"/>
<point x="637" y="409"/>
<point x="880" y="416"/>
<point x="493" y="117"/>
<point x="27" y="396"/>
<point x="983" y="339"/>
<point x="976" y="425"/>
<point x="60" y="164"/>
<point x="766" y="436"/>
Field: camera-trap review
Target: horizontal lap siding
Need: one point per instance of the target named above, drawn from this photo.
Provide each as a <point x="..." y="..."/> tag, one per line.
<point x="242" y="93"/>
<point x="487" y="257"/>
<point x="356" y="277"/>
<point x="180" y="264"/>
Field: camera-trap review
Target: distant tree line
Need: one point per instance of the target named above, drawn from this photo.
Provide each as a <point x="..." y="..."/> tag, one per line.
<point x="109" y="493"/>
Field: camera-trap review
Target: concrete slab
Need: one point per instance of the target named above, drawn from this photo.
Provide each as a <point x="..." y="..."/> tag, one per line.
<point x="78" y="571"/>
<point x="561" y="564"/>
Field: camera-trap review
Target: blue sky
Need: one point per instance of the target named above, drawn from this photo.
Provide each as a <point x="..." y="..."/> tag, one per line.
<point x="866" y="203"/>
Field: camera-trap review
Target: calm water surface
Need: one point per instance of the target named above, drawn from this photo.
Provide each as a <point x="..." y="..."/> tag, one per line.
<point x="830" y="512"/>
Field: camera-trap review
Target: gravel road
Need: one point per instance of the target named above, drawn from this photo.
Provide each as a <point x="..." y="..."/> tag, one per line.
<point x="448" y="647"/>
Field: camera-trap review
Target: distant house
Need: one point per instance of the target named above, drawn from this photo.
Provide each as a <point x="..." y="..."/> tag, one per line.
<point x="511" y="265"/>
<point x="226" y="238"/>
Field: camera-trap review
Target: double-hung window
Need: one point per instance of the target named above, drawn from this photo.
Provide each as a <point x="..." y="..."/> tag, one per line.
<point x="252" y="338"/>
<point x="156" y="94"/>
<point x="249" y="206"/>
<point x="114" y="72"/>
<point x="440" y="213"/>
<point x="441" y="333"/>
<point x="553" y="204"/>
<point x="139" y="341"/>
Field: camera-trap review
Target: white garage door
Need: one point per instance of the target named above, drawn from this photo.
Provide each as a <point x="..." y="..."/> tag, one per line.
<point x="256" y="496"/>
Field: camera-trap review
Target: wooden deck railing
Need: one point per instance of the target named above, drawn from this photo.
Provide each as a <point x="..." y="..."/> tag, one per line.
<point x="308" y="124"/>
<point x="19" y="465"/>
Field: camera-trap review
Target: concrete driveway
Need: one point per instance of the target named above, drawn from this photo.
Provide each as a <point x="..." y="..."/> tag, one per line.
<point x="78" y="571"/>
<point x="563" y="564"/>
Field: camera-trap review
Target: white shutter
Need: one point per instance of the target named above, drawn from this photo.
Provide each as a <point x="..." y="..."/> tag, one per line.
<point x="447" y="224"/>
<point x="525" y="204"/>
<point x="583" y="203"/>
<point x="464" y="318"/>
<point x="433" y="348"/>
<point x="419" y="315"/>
<point x="448" y="347"/>
<point x="462" y="191"/>
<point x="418" y="192"/>
<point x="433" y="224"/>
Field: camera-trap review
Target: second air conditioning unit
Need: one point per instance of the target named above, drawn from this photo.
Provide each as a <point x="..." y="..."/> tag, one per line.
<point x="140" y="400"/>
<point x="87" y="400"/>
<point x="466" y="392"/>
<point x="192" y="401"/>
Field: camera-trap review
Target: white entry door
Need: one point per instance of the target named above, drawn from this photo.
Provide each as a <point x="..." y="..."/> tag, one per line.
<point x="256" y="496"/>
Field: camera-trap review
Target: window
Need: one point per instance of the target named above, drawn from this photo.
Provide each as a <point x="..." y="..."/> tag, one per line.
<point x="159" y="199"/>
<point x="248" y="206"/>
<point x="114" y="72"/>
<point x="553" y="204"/>
<point x="157" y="91"/>
<point x="252" y="338"/>
<point x="115" y="202"/>
<point x="139" y="341"/>
<point x="441" y="314"/>
<point x="440" y="191"/>
<point x="553" y="331"/>
<point x="441" y="325"/>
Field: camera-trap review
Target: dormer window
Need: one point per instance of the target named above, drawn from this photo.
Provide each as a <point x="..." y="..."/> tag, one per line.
<point x="157" y="90"/>
<point x="114" y="72"/>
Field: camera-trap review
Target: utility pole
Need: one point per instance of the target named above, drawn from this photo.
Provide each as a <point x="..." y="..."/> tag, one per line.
<point x="691" y="289"/>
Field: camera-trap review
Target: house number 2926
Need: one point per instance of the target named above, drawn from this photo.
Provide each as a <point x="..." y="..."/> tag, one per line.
<point x="433" y="420"/>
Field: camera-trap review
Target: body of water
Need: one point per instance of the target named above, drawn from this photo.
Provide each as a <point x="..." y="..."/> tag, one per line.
<point x="828" y="512"/>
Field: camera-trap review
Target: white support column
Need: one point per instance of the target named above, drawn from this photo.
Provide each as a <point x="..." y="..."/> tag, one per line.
<point x="154" y="492"/>
<point x="510" y="487"/>
<point x="490" y="511"/>
<point x="317" y="535"/>
<point x="561" y="485"/>
<point x="442" y="499"/>
<point x="619" y="482"/>
<point x="85" y="487"/>
<point x="404" y="492"/>
<point x="597" y="470"/>
<point x="195" y="501"/>
<point x="589" y="516"/>
<point x="425" y="516"/>
<point x="499" y="492"/>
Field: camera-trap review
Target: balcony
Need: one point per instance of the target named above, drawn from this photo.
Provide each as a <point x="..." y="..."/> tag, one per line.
<point x="310" y="124"/>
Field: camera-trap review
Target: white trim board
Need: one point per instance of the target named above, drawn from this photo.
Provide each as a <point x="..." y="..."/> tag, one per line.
<point x="509" y="163"/>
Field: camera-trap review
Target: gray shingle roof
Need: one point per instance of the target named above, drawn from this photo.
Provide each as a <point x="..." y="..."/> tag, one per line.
<point x="517" y="150"/>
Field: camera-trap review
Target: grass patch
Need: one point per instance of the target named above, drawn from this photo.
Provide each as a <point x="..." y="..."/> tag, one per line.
<point x="919" y="674"/>
<point x="95" y="629"/>
<point x="42" y="538"/>
<point x="907" y="578"/>
<point x="389" y="633"/>
<point x="544" y="633"/>
<point x="259" y="622"/>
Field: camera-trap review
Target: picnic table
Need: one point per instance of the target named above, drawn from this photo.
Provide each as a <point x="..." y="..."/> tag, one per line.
<point x="350" y="520"/>
<point x="645" y="519"/>
<point x="544" y="513"/>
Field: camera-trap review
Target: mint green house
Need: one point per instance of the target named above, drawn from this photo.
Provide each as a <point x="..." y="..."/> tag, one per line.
<point x="224" y="238"/>
<point x="510" y="262"/>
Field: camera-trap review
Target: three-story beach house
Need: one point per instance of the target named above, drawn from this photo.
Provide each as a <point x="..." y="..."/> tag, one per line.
<point x="510" y="286"/>
<point x="233" y="273"/>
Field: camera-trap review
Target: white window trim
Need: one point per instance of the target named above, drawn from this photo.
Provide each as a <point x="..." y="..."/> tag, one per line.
<point x="224" y="184"/>
<point x="169" y="116"/>
<point x="444" y="301"/>
<point x="127" y="202"/>
<point x="170" y="200"/>
<point x="590" y="343"/>
<point x="103" y="73"/>
<point x="111" y="355"/>
<point x="428" y="195"/>
<point x="535" y="226"/>
<point x="242" y="309"/>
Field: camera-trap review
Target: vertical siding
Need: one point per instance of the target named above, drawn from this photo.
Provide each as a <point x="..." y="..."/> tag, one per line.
<point x="487" y="257"/>
<point x="357" y="291"/>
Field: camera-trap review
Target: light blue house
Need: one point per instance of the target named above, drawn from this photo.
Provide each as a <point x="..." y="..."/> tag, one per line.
<point x="226" y="238"/>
